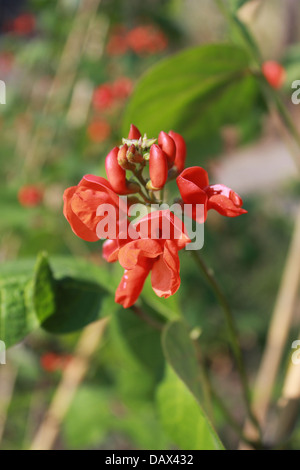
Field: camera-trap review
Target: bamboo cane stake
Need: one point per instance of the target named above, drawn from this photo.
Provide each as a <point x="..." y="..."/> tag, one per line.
<point x="277" y="335"/>
<point x="72" y="378"/>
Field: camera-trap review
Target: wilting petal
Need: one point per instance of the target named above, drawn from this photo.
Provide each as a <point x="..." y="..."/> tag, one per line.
<point x="132" y="284"/>
<point x="165" y="276"/>
<point x="131" y="253"/>
<point x="78" y="227"/>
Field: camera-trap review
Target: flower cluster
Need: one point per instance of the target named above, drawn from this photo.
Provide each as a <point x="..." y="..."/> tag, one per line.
<point x="145" y="247"/>
<point x="142" y="40"/>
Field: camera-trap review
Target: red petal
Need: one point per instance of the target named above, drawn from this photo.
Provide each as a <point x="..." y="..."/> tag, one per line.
<point x="110" y="251"/>
<point x="224" y="200"/>
<point x="131" y="253"/>
<point x="163" y="223"/>
<point x="225" y="206"/>
<point x="132" y="284"/>
<point x="191" y="183"/>
<point x="85" y="203"/>
<point x="180" y="150"/>
<point x="78" y="227"/>
<point x="165" y="272"/>
<point x="158" y="167"/>
<point x="167" y="144"/>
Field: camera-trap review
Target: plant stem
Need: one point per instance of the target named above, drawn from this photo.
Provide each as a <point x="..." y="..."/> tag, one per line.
<point x="272" y="97"/>
<point x="149" y="320"/>
<point x="232" y="421"/>
<point x="232" y="331"/>
<point x="145" y="198"/>
<point x="139" y="177"/>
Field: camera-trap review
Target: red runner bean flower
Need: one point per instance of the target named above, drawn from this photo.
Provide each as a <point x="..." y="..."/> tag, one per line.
<point x="195" y="189"/>
<point x="144" y="255"/>
<point x="82" y="201"/>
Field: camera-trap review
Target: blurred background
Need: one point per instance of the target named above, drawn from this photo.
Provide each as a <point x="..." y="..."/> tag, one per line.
<point x="70" y="67"/>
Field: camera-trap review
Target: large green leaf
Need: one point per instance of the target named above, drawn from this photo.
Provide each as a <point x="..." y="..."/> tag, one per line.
<point x="141" y="340"/>
<point x="195" y="92"/>
<point x="179" y="395"/>
<point x="62" y="297"/>
<point x="26" y="299"/>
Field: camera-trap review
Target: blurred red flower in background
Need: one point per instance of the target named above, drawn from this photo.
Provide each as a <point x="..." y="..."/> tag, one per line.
<point x="30" y="196"/>
<point x="117" y="43"/>
<point x="106" y="95"/>
<point x="274" y="73"/>
<point x="142" y="40"/>
<point x="52" y="362"/>
<point x="99" y="130"/>
<point x="21" y="25"/>
<point x="103" y="97"/>
<point x="122" y="87"/>
<point x="145" y="40"/>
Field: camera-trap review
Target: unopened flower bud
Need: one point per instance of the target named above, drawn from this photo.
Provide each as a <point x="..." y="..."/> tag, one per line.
<point x="180" y="155"/>
<point x="117" y="175"/>
<point x="134" y="133"/>
<point x="158" y="168"/>
<point x="134" y="156"/>
<point x="122" y="158"/>
<point x="167" y="144"/>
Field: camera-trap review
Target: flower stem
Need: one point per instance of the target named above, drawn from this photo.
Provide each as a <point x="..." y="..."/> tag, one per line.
<point x="145" y="198"/>
<point x="149" y="320"/>
<point x="232" y="331"/>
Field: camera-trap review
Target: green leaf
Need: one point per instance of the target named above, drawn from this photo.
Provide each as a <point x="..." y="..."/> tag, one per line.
<point x="17" y="318"/>
<point x="78" y="303"/>
<point x="142" y="341"/>
<point x="62" y="297"/>
<point x="182" y="417"/>
<point x="180" y="353"/>
<point x="195" y="92"/>
<point x="89" y="418"/>
<point x="235" y="5"/>
<point x="179" y="395"/>
<point x="43" y="289"/>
